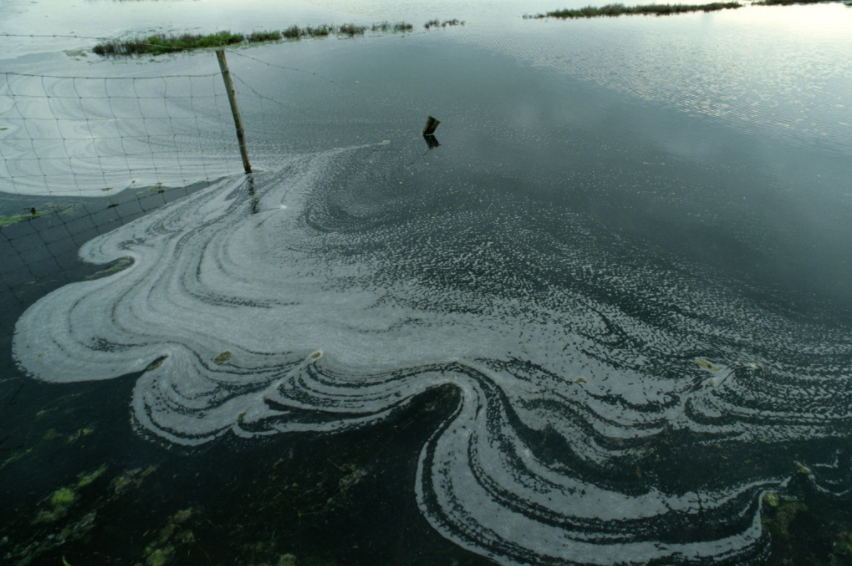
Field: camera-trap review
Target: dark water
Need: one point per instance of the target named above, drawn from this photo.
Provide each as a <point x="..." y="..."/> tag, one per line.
<point x="587" y="326"/>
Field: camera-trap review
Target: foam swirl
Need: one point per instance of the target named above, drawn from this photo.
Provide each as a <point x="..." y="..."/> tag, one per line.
<point x="597" y="385"/>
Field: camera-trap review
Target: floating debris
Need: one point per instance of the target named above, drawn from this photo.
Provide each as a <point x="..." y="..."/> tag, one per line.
<point x="222" y="358"/>
<point x="431" y="126"/>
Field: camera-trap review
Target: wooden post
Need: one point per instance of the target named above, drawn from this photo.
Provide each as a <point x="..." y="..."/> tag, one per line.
<point x="232" y="98"/>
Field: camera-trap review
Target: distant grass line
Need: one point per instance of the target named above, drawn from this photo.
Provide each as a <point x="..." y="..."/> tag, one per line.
<point x="172" y="43"/>
<point x="613" y="10"/>
<point x="792" y="2"/>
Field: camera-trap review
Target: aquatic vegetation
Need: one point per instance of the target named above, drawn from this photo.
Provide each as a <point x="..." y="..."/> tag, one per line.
<point x="438" y="23"/>
<point x="62" y="497"/>
<point x="351" y="30"/>
<point x="794" y="2"/>
<point x="33" y="213"/>
<point x="160" y="44"/>
<point x="595" y="430"/>
<point x="80" y="433"/>
<point x="131" y="479"/>
<point x="222" y="358"/>
<point x="120" y="265"/>
<point x="89" y="478"/>
<point x="396" y="27"/>
<point x="293" y="32"/>
<point x="173" y="535"/>
<point x="612" y="10"/>
<point x="164" y="43"/>
<point x="59" y="502"/>
<point x="258" y="36"/>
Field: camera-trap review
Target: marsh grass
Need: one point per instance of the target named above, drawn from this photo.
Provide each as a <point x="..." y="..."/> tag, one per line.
<point x="613" y="10"/>
<point x="397" y="27"/>
<point x="438" y="23"/>
<point x="158" y="44"/>
<point x="351" y="30"/>
<point x="792" y="2"/>
<point x="259" y="36"/>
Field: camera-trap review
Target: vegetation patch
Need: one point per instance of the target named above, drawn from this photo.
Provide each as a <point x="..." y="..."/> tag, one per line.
<point x="791" y="2"/>
<point x="222" y="358"/>
<point x="613" y="10"/>
<point x="351" y="30"/>
<point x="163" y="43"/>
<point x="397" y="27"/>
<point x="159" y="44"/>
<point x="120" y="265"/>
<point x="439" y="24"/>
<point x="259" y="36"/>
<point x="31" y="214"/>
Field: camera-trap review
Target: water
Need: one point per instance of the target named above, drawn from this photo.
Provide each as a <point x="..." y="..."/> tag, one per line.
<point x="596" y="324"/>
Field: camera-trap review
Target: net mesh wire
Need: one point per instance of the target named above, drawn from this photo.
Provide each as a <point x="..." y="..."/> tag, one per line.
<point x="83" y="136"/>
<point x="133" y="143"/>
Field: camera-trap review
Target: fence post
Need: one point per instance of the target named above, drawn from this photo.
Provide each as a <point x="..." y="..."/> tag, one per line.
<point x="232" y="98"/>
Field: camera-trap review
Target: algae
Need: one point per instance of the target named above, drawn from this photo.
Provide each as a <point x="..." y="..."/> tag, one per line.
<point x="781" y="515"/>
<point x="120" y="265"/>
<point x="33" y="213"/>
<point x="802" y="469"/>
<point x="59" y="502"/>
<point x="770" y="499"/>
<point x="702" y="363"/>
<point x="157" y="363"/>
<point x="63" y="497"/>
<point x="89" y="478"/>
<point x="79" y="434"/>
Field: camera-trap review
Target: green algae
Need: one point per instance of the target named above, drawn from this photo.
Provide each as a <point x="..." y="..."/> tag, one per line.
<point x="120" y="265"/>
<point x="783" y="513"/>
<point x="59" y="502"/>
<point x="33" y="213"/>
<point x="770" y="499"/>
<point x="156" y="364"/>
<point x="160" y="556"/>
<point x="80" y="433"/>
<point x="63" y="497"/>
<point x="131" y="479"/>
<point x="171" y="536"/>
<point x="89" y="478"/>
<point x="222" y="358"/>
<point x="802" y="469"/>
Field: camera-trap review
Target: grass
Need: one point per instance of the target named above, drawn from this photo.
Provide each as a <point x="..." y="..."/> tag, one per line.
<point x="445" y="23"/>
<point x="397" y="27"/>
<point x="259" y="36"/>
<point x="613" y="10"/>
<point x="159" y="44"/>
<point x="351" y="30"/>
<point x="791" y="2"/>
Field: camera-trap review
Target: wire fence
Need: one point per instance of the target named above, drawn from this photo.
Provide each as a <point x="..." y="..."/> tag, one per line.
<point x="83" y="136"/>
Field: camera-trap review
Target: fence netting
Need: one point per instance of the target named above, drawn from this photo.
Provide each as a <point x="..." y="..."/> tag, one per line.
<point x="84" y="136"/>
